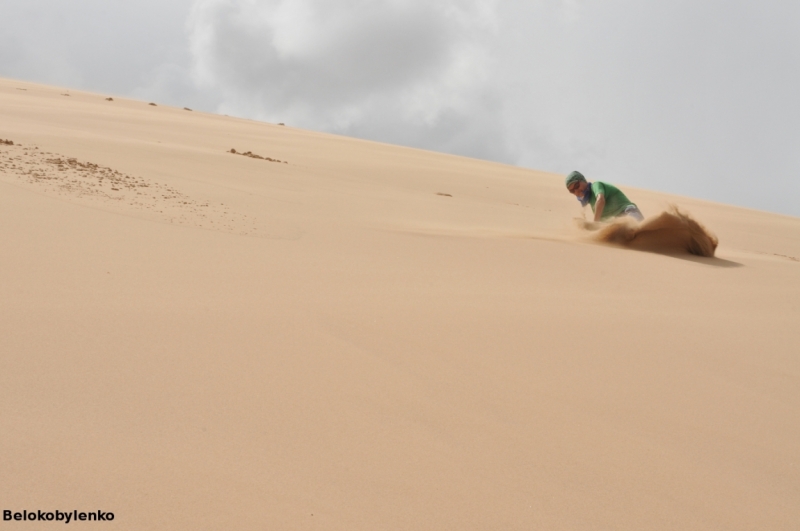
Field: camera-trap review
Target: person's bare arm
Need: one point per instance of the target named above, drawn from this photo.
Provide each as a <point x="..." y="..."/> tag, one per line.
<point x="599" y="205"/>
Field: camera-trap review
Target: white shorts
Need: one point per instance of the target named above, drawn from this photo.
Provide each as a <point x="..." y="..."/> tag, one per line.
<point x="634" y="212"/>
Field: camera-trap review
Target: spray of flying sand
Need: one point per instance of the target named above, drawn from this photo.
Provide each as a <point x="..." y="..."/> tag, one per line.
<point x="670" y="232"/>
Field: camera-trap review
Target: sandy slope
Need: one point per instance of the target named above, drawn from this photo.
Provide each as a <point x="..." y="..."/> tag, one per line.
<point x="203" y="340"/>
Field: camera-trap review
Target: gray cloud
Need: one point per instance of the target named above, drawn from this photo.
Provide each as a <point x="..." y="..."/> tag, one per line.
<point x="94" y="44"/>
<point x="412" y="72"/>
<point x="687" y="97"/>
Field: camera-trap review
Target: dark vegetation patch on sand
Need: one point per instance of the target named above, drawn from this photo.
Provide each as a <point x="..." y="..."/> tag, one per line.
<point x="254" y="156"/>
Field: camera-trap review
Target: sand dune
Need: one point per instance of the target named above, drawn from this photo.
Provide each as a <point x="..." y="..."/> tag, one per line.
<point x="374" y="337"/>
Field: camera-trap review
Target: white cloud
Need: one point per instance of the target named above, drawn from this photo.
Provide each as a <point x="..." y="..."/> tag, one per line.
<point x="414" y="72"/>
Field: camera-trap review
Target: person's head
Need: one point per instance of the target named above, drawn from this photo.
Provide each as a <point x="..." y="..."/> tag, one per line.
<point x="576" y="183"/>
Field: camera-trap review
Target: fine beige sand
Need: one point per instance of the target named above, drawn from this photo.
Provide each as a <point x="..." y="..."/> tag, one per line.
<point x="357" y="336"/>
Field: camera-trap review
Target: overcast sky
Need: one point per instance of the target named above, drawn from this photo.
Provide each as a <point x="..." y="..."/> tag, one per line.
<point x="697" y="97"/>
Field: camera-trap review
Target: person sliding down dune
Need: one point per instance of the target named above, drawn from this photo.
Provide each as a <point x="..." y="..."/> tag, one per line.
<point x="607" y="201"/>
<point x="669" y="232"/>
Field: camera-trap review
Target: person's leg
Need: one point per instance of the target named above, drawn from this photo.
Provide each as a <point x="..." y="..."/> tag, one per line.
<point x="634" y="212"/>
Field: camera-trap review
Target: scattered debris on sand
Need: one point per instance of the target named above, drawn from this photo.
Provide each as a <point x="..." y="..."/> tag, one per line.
<point x="186" y="109"/>
<point x="109" y="99"/>
<point x="444" y="194"/>
<point x="153" y="104"/>
<point x="70" y="178"/>
<point x="254" y="156"/>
